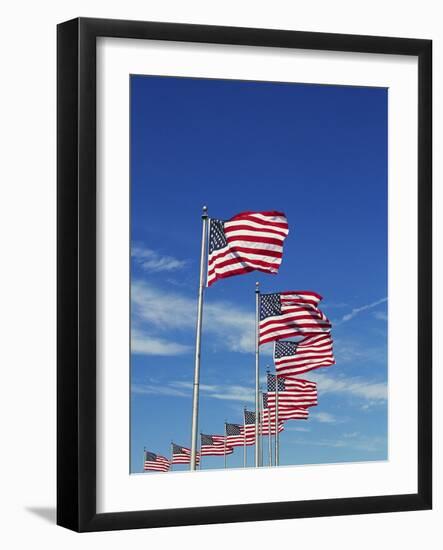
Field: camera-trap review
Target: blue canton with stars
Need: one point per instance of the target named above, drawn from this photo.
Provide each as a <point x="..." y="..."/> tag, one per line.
<point x="271" y="383"/>
<point x="206" y="440"/>
<point x="249" y="417"/>
<point x="233" y="429"/>
<point x="151" y="457"/>
<point x="285" y="349"/>
<point x="217" y="238"/>
<point x="270" y="305"/>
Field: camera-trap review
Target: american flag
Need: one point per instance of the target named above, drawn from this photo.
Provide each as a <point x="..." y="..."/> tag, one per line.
<point x="268" y="426"/>
<point x="298" y="357"/>
<point x="268" y="420"/>
<point x="284" y="413"/>
<point x="249" y="418"/>
<point x="264" y="427"/>
<point x="182" y="455"/>
<point x="248" y="241"/>
<point x="236" y="436"/>
<point x="249" y="427"/>
<point x="293" y="413"/>
<point x="214" y="445"/>
<point x="155" y="462"/>
<point x="292" y="392"/>
<point x="291" y="313"/>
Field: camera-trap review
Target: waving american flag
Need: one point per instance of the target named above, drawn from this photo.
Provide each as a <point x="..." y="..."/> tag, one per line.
<point x="181" y="455"/>
<point x="154" y="462"/>
<point x="237" y="437"/>
<point x="249" y="241"/>
<point x="291" y="313"/>
<point x="267" y="425"/>
<point x="292" y="392"/>
<point x="214" y="445"/>
<point x="284" y="413"/>
<point x="298" y="357"/>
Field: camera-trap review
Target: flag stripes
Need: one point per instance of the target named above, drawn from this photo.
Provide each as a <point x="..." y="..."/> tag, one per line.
<point x="181" y="455"/>
<point x="291" y="313"/>
<point x="214" y="445"/>
<point x="286" y="413"/>
<point x="249" y="241"/>
<point x="267" y="426"/>
<point x="154" y="462"/>
<point x="263" y="427"/>
<point x="237" y="437"/>
<point x="298" y="357"/>
<point x="292" y="392"/>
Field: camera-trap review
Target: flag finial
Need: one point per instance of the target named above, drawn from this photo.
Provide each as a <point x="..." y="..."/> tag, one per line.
<point x="205" y="212"/>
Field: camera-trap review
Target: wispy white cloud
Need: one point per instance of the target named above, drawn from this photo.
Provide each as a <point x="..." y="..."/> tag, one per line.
<point x="381" y="315"/>
<point x="358" y="310"/>
<point x="179" y="388"/>
<point x="374" y="392"/>
<point x="145" y="344"/>
<point x="323" y="417"/>
<point x="152" y="261"/>
<point x="230" y="325"/>
<point x="290" y="428"/>
<point x="157" y="389"/>
<point x="334" y="443"/>
<point x="230" y="392"/>
<point x="368" y="444"/>
<point x="348" y="351"/>
<point x="351" y="435"/>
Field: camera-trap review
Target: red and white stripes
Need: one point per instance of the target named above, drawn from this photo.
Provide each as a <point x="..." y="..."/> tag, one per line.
<point x="249" y="241"/>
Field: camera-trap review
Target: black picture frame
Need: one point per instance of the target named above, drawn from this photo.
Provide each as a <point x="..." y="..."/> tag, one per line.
<point x="76" y="280"/>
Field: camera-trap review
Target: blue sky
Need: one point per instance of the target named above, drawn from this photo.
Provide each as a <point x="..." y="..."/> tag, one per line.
<point x="317" y="153"/>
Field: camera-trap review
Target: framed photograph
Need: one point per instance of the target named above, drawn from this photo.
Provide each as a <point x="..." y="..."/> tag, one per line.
<point x="244" y="274"/>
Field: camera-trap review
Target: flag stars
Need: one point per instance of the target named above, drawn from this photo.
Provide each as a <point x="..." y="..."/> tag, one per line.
<point x="285" y="349"/>
<point x="270" y="305"/>
<point x="217" y="239"/>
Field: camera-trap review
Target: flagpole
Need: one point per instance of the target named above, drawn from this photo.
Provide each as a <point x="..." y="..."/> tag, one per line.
<point x="261" y="428"/>
<point x="277" y="435"/>
<point x="172" y="454"/>
<point x="269" y="426"/>
<point x="224" y="446"/>
<point x="244" y="437"/>
<point x="144" y="458"/>
<point x="198" y="341"/>
<point x="200" y="458"/>
<point x="270" y="439"/>
<point x="257" y="371"/>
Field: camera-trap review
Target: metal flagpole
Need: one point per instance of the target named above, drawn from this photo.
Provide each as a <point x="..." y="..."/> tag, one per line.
<point x="172" y="454"/>
<point x="277" y="436"/>
<point x="244" y="437"/>
<point x="269" y="429"/>
<point x="269" y="426"/>
<point x="257" y="371"/>
<point x="200" y="457"/>
<point x="261" y="428"/>
<point x="144" y="458"/>
<point x="224" y="445"/>
<point x="198" y="341"/>
<point x="270" y="439"/>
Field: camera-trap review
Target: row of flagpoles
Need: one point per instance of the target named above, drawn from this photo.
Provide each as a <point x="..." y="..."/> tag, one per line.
<point x="295" y="396"/>
<point x="254" y="241"/>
